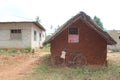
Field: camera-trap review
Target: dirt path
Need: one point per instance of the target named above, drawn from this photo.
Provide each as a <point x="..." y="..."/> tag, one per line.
<point x="14" y="67"/>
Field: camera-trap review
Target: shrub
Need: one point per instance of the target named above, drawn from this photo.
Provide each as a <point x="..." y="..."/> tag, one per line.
<point x="2" y="51"/>
<point x="27" y="50"/>
<point x="12" y="50"/>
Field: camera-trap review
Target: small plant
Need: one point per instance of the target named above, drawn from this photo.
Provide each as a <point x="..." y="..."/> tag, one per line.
<point x="12" y="50"/>
<point x="2" y="51"/>
<point x="27" y="50"/>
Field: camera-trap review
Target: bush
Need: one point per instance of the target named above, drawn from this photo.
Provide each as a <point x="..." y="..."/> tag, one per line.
<point x="12" y="50"/>
<point x="2" y="51"/>
<point x="27" y="50"/>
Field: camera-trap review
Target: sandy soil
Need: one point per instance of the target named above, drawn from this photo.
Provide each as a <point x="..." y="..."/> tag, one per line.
<point x="18" y="65"/>
<point x="113" y="57"/>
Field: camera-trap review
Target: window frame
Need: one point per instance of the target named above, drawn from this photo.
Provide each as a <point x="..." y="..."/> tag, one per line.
<point x="15" y="34"/>
<point x="73" y="33"/>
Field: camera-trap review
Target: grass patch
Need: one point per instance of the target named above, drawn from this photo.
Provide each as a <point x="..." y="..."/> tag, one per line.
<point x="45" y="71"/>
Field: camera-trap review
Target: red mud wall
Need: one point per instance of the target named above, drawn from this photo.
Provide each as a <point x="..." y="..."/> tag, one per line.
<point x="91" y="44"/>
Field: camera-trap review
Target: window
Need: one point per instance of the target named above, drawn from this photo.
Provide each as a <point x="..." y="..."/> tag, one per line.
<point x="15" y="34"/>
<point x="40" y="36"/>
<point x="73" y="30"/>
<point x="35" y="35"/>
<point x="73" y="35"/>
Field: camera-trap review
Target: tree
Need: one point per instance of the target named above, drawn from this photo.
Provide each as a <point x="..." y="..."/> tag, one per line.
<point x="37" y="19"/>
<point x="58" y="27"/>
<point x="98" y="21"/>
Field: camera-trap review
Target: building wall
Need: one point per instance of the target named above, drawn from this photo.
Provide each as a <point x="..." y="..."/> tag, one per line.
<point x="6" y="42"/>
<point x="115" y="34"/>
<point x="27" y="35"/>
<point x="91" y="45"/>
<point x="38" y="43"/>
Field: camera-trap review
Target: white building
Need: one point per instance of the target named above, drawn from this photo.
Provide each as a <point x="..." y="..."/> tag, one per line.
<point x="21" y="35"/>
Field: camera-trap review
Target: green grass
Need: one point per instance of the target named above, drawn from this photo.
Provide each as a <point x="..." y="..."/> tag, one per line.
<point x="45" y="71"/>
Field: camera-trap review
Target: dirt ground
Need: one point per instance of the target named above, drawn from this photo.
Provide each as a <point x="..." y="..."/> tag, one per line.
<point x="16" y="66"/>
<point x="113" y="57"/>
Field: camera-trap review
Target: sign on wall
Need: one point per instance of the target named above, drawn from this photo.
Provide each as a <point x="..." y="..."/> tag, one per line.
<point x="73" y="38"/>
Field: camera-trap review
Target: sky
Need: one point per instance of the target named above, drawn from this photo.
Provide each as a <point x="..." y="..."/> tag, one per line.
<point x="57" y="12"/>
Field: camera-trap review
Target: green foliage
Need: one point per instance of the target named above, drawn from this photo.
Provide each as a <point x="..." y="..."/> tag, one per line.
<point x="46" y="48"/>
<point x="2" y="51"/>
<point x="12" y="50"/>
<point x="48" y="37"/>
<point x="98" y="21"/>
<point x="37" y="19"/>
<point x="27" y="50"/>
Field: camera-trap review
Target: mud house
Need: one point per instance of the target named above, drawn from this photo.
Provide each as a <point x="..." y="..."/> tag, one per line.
<point x="21" y="35"/>
<point x="80" y="35"/>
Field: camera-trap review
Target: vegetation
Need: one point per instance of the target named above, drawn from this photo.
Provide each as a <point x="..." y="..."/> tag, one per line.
<point x="14" y="51"/>
<point x="46" y="48"/>
<point x="37" y="19"/>
<point x="115" y="50"/>
<point x="98" y="21"/>
<point x="45" y="71"/>
<point x="8" y="52"/>
<point x="27" y="50"/>
<point x="2" y="51"/>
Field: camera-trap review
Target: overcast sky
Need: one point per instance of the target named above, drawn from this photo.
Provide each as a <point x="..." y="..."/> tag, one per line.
<point x="57" y="12"/>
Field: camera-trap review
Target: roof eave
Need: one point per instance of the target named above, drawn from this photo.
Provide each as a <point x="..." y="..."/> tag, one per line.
<point x="39" y="25"/>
